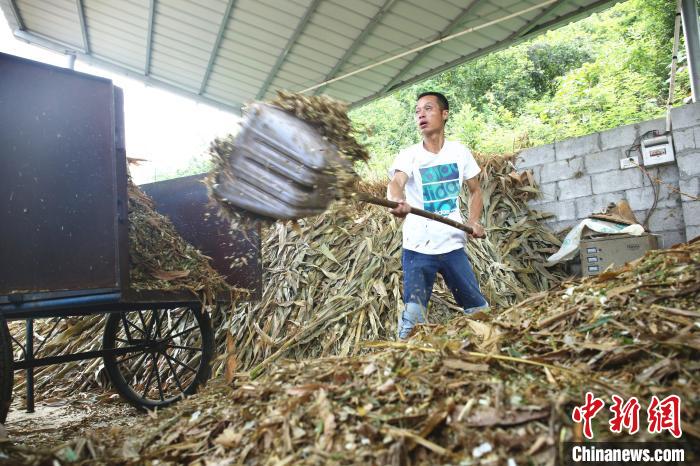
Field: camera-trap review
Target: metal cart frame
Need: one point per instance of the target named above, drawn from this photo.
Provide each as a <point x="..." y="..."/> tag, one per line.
<point x="64" y="238"/>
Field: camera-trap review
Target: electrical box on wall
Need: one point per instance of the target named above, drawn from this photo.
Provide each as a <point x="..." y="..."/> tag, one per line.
<point x="658" y="150"/>
<point x="597" y="254"/>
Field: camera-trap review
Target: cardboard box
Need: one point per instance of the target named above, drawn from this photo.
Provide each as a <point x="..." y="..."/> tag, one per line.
<point x="597" y="254"/>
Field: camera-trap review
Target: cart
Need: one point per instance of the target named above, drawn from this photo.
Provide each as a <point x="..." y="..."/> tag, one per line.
<point x="64" y="240"/>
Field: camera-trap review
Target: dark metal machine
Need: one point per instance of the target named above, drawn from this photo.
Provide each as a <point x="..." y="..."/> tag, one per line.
<point x="64" y="239"/>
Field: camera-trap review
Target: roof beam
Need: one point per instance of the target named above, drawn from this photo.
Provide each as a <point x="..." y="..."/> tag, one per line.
<point x="575" y="15"/>
<point x="572" y="16"/>
<point x="149" y="37"/>
<point x="445" y="32"/>
<point x="290" y="43"/>
<point x="545" y="14"/>
<point x="376" y="19"/>
<point x="83" y="27"/>
<point x="215" y="49"/>
<point x="15" y="13"/>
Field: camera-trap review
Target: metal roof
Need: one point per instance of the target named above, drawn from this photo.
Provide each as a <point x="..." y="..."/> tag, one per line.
<point x="229" y="52"/>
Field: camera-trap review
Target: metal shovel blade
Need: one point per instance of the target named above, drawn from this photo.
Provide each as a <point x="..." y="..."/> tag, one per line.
<point x="280" y="167"/>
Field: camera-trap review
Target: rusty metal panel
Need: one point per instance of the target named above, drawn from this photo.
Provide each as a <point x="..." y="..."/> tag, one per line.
<point x="186" y="203"/>
<point x="58" y="196"/>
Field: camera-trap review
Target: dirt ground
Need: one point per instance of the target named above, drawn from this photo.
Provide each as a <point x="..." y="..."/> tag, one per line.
<point x="56" y="421"/>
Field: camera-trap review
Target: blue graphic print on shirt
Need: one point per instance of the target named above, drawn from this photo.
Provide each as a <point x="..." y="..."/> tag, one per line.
<point x="440" y="188"/>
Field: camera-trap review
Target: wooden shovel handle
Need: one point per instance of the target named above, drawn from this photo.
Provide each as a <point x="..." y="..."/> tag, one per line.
<point x="415" y="211"/>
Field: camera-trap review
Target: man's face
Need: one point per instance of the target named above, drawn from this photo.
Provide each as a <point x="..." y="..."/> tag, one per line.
<point x="429" y="117"/>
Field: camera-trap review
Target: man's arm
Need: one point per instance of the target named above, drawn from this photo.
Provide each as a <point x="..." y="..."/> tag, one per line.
<point x="476" y="205"/>
<point x="396" y="191"/>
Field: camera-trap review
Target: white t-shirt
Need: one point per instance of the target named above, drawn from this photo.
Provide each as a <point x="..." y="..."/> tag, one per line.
<point x="434" y="184"/>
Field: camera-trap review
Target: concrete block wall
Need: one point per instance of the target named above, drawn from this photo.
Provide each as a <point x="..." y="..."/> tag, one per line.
<point x="581" y="176"/>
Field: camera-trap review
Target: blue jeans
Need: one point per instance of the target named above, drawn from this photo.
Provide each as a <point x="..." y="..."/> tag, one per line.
<point x="419" y="272"/>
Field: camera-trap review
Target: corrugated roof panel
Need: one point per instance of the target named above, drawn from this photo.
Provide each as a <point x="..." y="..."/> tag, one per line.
<point x="441" y="55"/>
<point x="284" y="14"/>
<point x="168" y="56"/>
<point x="240" y="62"/>
<point x="261" y="27"/>
<point x="308" y="60"/>
<point x="117" y="52"/>
<point x="386" y="69"/>
<point x="367" y="53"/>
<point x="103" y="32"/>
<point x="116" y="41"/>
<point x="171" y="74"/>
<point x="219" y="81"/>
<point x="246" y="35"/>
<point x="421" y="17"/>
<point x="379" y="74"/>
<point x="188" y="14"/>
<point x="120" y="33"/>
<point x="344" y="13"/>
<point x="318" y="32"/>
<point x="440" y="7"/>
<point x="360" y="81"/>
<point x="397" y="37"/>
<point x="182" y="44"/>
<point x="276" y="21"/>
<point x="175" y="74"/>
<point x="215" y="7"/>
<point x="256" y="39"/>
<point x="253" y="59"/>
<point x="131" y="63"/>
<point x="356" y="7"/>
<point x="243" y="74"/>
<point x="358" y="86"/>
<point x="411" y="28"/>
<point x="228" y="92"/>
<point x="350" y="92"/>
<point x="195" y="42"/>
<point x="298" y="74"/>
<point x="324" y="54"/>
<point x="237" y="84"/>
<point x="190" y="67"/>
<point x="106" y="12"/>
<point x="340" y="27"/>
<point x="62" y="11"/>
<point x="52" y="21"/>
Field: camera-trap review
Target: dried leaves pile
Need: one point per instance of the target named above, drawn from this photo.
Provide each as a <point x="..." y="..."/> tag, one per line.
<point x="478" y="390"/>
<point x="159" y="259"/>
<point x="334" y="281"/>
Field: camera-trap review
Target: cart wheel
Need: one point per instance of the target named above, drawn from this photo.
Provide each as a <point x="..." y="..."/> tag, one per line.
<point x="7" y="373"/>
<point x="162" y="354"/>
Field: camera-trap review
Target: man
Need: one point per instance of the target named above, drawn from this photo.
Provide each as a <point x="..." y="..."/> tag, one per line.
<point x="429" y="175"/>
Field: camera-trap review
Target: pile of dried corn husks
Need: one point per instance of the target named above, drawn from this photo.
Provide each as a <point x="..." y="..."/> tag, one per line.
<point x="334" y="281"/>
<point x="159" y="260"/>
<point x="481" y="390"/>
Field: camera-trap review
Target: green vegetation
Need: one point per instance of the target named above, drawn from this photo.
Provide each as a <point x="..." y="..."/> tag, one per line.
<point x="608" y="70"/>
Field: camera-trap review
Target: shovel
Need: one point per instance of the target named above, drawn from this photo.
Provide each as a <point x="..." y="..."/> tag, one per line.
<point x="281" y="168"/>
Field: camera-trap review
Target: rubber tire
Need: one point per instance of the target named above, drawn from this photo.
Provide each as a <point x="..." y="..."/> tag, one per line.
<point x="7" y="372"/>
<point x="122" y="387"/>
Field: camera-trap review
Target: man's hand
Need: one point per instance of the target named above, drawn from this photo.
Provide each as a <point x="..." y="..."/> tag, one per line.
<point x="395" y="191"/>
<point x="401" y="210"/>
<point x="478" y="230"/>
